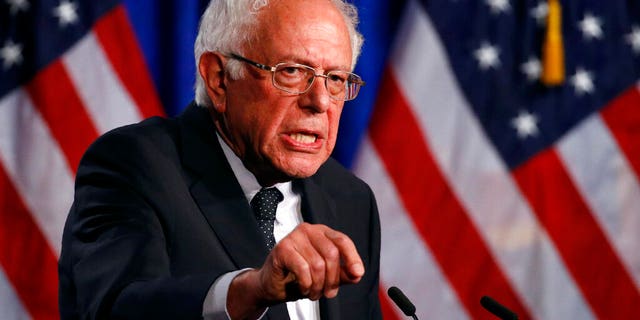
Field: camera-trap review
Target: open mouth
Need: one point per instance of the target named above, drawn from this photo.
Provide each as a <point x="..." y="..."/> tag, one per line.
<point x="304" y="138"/>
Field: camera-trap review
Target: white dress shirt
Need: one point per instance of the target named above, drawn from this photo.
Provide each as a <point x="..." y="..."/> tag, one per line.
<point x="288" y="217"/>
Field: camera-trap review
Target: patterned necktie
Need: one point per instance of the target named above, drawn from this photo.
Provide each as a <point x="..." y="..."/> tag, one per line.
<point x="264" y="205"/>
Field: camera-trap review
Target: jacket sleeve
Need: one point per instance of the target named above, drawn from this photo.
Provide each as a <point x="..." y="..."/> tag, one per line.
<point x="115" y="261"/>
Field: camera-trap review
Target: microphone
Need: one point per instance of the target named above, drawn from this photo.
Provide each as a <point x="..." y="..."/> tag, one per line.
<point x="402" y="302"/>
<point x="497" y="309"/>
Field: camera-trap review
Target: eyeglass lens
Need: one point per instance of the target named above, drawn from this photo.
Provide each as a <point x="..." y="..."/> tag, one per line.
<point x="295" y="78"/>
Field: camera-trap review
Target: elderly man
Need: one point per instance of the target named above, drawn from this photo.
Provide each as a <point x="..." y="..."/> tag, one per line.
<point x="233" y="209"/>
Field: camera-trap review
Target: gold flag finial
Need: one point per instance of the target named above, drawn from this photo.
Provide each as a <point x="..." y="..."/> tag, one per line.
<point x="553" y="50"/>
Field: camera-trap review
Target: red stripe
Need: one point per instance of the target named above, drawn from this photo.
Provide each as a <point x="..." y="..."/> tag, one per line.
<point x="584" y="248"/>
<point x="25" y="256"/>
<point x="387" y="306"/>
<point x="55" y="96"/>
<point x="434" y="209"/>
<point x="115" y="34"/>
<point x="622" y="116"/>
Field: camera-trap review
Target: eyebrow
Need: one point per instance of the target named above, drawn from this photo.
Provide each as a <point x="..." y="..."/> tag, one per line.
<point x="294" y="59"/>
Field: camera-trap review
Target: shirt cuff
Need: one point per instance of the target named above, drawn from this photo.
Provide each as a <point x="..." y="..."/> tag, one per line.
<point x="215" y="303"/>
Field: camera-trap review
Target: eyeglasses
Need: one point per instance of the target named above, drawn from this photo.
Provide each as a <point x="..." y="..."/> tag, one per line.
<point x="298" y="78"/>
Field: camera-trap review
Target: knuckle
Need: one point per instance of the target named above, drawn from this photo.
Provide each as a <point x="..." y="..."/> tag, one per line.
<point x="305" y="283"/>
<point x="305" y="227"/>
<point x="304" y="267"/>
<point x="318" y="265"/>
<point x="285" y="245"/>
<point x="332" y="253"/>
<point x="341" y="239"/>
<point x="279" y="249"/>
<point x="335" y="234"/>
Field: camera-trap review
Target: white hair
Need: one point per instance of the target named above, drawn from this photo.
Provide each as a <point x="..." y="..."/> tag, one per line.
<point x="227" y="25"/>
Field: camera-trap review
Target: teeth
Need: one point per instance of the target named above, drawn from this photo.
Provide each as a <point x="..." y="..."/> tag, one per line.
<point x="303" y="138"/>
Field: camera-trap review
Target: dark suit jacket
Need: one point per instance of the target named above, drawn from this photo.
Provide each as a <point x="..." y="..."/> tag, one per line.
<point x="158" y="216"/>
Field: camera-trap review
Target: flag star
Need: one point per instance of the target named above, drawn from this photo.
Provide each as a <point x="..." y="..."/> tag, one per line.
<point x="582" y="81"/>
<point x="498" y="6"/>
<point x="526" y="124"/>
<point x="11" y="54"/>
<point x="487" y="56"/>
<point x="591" y="27"/>
<point x="17" y="6"/>
<point x="532" y="69"/>
<point x="540" y="12"/>
<point x="633" y="39"/>
<point x="66" y="12"/>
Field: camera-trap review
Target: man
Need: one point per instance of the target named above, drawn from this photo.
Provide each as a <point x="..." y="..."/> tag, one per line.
<point x="170" y="218"/>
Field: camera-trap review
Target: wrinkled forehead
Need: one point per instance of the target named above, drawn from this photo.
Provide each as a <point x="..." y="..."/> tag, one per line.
<point x="306" y="25"/>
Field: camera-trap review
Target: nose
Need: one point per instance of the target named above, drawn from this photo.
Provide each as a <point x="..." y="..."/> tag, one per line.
<point x="317" y="98"/>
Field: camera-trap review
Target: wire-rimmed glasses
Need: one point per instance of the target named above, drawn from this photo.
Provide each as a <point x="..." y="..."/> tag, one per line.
<point x="298" y="78"/>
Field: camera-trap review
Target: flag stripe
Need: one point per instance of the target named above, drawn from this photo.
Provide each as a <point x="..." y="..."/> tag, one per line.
<point x="480" y="179"/>
<point x="45" y="127"/>
<point x="421" y="186"/>
<point x="387" y="306"/>
<point x="115" y="35"/>
<point x="603" y="281"/>
<point x="470" y="162"/>
<point x="10" y="304"/>
<point x="623" y="118"/>
<point x="403" y="250"/>
<point x="56" y="98"/>
<point x="606" y="181"/>
<point x="100" y="90"/>
<point x="19" y="234"/>
<point x="34" y="163"/>
<point x="522" y="222"/>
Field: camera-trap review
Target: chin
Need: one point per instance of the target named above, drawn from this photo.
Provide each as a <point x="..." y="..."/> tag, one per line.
<point x="301" y="173"/>
<point x="295" y="168"/>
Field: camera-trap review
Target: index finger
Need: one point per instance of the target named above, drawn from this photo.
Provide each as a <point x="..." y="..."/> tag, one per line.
<point x="352" y="265"/>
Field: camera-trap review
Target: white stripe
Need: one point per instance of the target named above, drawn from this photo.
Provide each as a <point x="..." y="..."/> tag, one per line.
<point x="478" y="177"/>
<point x="608" y="185"/>
<point x="36" y="165"/>
<point x="106" y="100"/>
<point x="405" y="259"/>
<point x="10" y="305"/>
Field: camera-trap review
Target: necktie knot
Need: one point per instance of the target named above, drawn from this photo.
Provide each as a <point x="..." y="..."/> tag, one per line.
<point x="264" y="205"/>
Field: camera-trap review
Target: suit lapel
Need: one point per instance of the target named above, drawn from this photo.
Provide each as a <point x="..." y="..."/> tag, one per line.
<point x="217" y="192"/>
<point x="222" y="201"/>
<point x="232" y="220"/>
<point x="317" y="205"/>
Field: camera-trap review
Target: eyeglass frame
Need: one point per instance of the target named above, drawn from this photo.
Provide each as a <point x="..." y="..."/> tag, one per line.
<point x="273" y="69"/>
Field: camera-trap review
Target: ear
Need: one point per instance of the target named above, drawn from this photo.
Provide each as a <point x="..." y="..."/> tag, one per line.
<point x="211" y="68"/>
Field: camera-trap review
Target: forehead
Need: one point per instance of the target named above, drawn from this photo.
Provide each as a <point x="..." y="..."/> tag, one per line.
<point x="311" y="31"/>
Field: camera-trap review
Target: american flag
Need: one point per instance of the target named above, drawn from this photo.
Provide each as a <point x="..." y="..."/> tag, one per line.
<point x="490" y="182"/>
<point x="69" y="71"/>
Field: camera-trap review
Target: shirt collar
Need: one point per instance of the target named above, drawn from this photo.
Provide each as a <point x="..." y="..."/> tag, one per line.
<point x="247" y="180"/>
